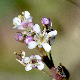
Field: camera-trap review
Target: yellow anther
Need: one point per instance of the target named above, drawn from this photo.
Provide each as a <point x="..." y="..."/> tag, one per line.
<point x="44" y="28"/>
<point x="22" y="12"/>
<point x="49" y="35"/>
<point x="13" y="23"/>
<point x="19" y="16"/>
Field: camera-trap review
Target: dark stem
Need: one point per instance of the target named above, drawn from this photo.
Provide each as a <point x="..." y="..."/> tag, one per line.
<point x="47" y="61"/>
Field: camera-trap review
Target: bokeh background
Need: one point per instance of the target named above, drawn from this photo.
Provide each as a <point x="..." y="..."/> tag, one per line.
<point x="64" y="14"/>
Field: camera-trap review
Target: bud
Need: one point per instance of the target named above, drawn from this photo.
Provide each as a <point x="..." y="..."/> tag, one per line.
<point x="19" y="37"/>
<point x="28" y="39"/>
<point x="24" y="24"/>
<point x="45" y="21"/>
<point x="30" y="25"/>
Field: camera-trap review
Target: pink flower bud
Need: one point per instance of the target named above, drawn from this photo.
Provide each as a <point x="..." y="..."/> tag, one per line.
<point x="24" y="24"/>
<point x="28" y="39"/>
<point x="19" y="37"/>
<point x="30" y="25"/>
<point x="45" y="21"/>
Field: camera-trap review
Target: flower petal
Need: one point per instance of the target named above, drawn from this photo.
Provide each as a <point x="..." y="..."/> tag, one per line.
<point x="36" y="28"/>
<point x="46" y="46"/>
<point x="32" y="44"/>
<point x="52" y="33"/>
<point x="17" y="21"/>
<point x="40" y="65"/>
<point x="27" y="17"/>
<point x="20" y="27"/>
<point x="37" y="57"/>
<point x="27" y="14"/>
<point x="28" y="67"/>
<point x="26" y="60"/>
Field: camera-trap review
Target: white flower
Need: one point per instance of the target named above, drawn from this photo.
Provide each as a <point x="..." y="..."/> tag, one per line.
<point x="17" y="23"/>
<point x="21" y="22"/>
<point x="41" y="40"/>
<point x="34" y="62"/>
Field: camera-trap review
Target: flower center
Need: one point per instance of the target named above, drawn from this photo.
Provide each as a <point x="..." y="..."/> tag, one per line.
<point x="34" y="61"/>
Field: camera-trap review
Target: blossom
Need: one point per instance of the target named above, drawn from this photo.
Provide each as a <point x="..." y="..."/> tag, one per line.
<point x="21" y="22"/>
<point x="28" y="39"/>
<point x="33" y="62"/>
<point x="17" y="23"/>
<point x="41" y="39"/>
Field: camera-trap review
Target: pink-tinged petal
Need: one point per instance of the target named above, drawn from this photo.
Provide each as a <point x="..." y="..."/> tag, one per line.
<point x="37" y="57"/>
<point x="32" y="44"/>
<point x="24" y="24"/>
<point x="32" y="56"/>
<point x="28" y="39"/>
<point x="30" y="25"/>
<point x="28" y="67"/>
<point x="21" y="38"/>
<point x="40" y="65"/>
<point x="46" y="46"/>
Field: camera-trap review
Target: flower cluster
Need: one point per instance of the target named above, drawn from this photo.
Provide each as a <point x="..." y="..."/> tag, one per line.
<point x="32" y="34"/>
<point x="34" y="61"/>
<point x="34" y="37"/>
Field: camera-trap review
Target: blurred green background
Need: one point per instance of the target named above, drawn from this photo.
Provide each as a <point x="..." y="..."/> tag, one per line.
<point x="65" y="16"/>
